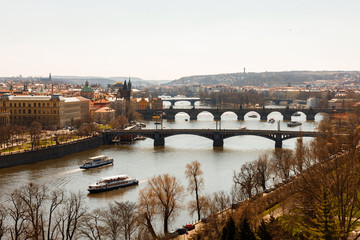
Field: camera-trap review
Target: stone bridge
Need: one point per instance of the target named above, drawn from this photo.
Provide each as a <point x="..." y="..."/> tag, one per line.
<point x="191" y="100"/>
<point x="217" y="136"/>
<point x="262" y="112"/>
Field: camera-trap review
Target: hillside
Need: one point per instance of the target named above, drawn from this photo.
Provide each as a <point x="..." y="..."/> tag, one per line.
<point x="265" y="78"/>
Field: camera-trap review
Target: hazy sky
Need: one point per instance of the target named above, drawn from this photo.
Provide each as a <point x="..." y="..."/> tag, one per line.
<point x="168" y="39"/>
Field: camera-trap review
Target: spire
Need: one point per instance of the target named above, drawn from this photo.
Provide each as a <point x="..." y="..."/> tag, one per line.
<point x="86" y="83"/>
<point x="49" y="76"/>
<point x="129" y="84"/>
<point x="125" y="85"/>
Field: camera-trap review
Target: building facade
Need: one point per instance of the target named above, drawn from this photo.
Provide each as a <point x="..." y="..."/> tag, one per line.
<point x="53" y="111"/>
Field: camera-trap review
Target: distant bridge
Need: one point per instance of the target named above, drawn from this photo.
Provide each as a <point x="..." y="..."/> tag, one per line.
<point x="262" y="112"/>
<point x="192" y="100"/>
<point x="217" y="136"/>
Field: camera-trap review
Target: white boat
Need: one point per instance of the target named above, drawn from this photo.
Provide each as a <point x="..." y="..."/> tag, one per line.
<point x="271" y="120"/>
<point x="242" y="128"/>
<point x="294" y="124"/>
<point x="97" y="161"/>
<point x="111" y="183"/>
<point x="253" y="116"/>
<point x="297" y="114"/>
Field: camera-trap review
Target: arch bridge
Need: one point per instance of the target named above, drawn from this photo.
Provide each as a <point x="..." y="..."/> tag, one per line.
<point x="192" y="100"/>
<point x="217" y="136"/>
<point x="263" y="112"/>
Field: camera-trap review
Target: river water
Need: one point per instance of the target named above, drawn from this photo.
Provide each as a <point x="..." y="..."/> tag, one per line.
<point x="142" y="160"/>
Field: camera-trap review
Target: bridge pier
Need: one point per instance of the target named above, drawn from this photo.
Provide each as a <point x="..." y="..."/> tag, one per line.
<point x="218" y="140"/>
<point x="193" y="116"/>
<point x="310" y="117"/>
<point x="278" y="141"/>
<point x="218" y="143"/>
<point x="240" y="117"/>
<point x="263" y="117"/>
<point x="278" y="144"/>
<point x="158" y="139"/>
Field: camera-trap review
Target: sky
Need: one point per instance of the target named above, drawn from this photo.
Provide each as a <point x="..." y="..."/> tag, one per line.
<point x="170" y="39"/>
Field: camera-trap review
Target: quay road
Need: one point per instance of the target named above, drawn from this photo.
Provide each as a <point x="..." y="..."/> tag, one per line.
<point x="216" y="135"/>
<point x="169" y="113"/>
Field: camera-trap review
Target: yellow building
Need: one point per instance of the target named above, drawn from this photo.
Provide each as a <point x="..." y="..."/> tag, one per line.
<point x="4" y="118"/>
<point x="104" y="115"/>
<point x="142" y="104"/>
<point x="51" y="111"/>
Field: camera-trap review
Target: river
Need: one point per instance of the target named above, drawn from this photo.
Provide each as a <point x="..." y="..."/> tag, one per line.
<point x="143" y="161"/>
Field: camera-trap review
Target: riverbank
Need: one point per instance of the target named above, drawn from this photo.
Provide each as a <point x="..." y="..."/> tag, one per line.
<point x="50" y="152"/>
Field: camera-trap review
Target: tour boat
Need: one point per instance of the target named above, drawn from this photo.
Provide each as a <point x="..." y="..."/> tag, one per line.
<point x="271" y="120"/>
<point x="297" y="114"/>
<point x="253" y="116"/>
<point x="97" y="161"/>
<point x="294" y="124"/>
<point x="111" y="183"/>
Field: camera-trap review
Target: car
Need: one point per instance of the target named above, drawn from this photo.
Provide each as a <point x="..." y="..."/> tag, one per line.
<point x="189" y="227"/>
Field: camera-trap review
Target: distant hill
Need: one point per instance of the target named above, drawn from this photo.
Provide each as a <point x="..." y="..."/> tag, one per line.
<point x="264" y="78"/>
<point x="104" y="81"/>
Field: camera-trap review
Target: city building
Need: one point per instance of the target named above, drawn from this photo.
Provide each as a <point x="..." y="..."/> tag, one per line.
<point x="142" y="104"/>
<point x="87" y="91"/>
<point x="4" y="118"/>
<point x="157" y="103"/>
<point x="104" y="115"/>
<point x="53" y="111"/>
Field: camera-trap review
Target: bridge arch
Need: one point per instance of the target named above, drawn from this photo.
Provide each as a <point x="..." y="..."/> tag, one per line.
<point x="320" y="116"/>
<point x="252" y="114"/>
<point x="229" y="115"/>
<point x="182" y="115"/>
<point x="181" y="102"/>
<point x="276" y="115"/>
<point x="205" y="115"/>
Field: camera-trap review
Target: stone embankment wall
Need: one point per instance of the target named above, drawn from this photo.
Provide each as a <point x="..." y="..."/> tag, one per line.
<point x="50" y="152"/>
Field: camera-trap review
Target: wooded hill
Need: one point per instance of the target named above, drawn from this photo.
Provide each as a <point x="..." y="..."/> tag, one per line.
<point x="268" y="78"/>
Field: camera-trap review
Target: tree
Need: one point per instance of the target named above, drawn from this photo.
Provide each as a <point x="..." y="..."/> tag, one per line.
<point x="246" y="178"/>
<point x="229" y="230"/>
<point x="246" y="233"/>
<point x="120" y="122"/>
<point x="127" y="215"/>
<point x="196" y="182"/>
<point x="282" y="162"/>
<point x="166" y="193"/>
<point x="73" y="210"/>
<point x="33" y="197"/>
<point x="262" y="171"/>
<point x="35" y="133"/>
<point x="263" y="231"/>
<point x="3" y="227"/>
<point x="147" y="211"/>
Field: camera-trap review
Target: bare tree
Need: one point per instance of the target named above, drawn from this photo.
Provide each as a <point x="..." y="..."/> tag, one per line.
<point x="17" y="216"/>
<point x="3" y="227"/>
<point x="147" y="211"/>
<point x="70" y="216"/>
<point x="196" y="182"/>
<point x="35" y="133"/>
<point x="111" y="222"/>
<point x="167" y="193"/>
<point x="91" y="227"/>
<point x="128" y="215"/>
<point x="262" y="171"/>
<point x="34" y="196"/>
<point x="246" y="178"/>
<point x="56" y="199"/>
<point x="282" y="162"/>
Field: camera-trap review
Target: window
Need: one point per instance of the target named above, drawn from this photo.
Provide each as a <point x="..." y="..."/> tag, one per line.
<point x="10" y="104"/>
<point x="15" y="111"/>
<point x="14" y="104"/>
<point x="24" y="110"/>
<point x="39" y="104"/>
<point x="23" y="104"/>
<point x="34" y="104"/>
<point x="29" y="111"/>
<point x="29" y="104"/>
<point x="35" y="111"/>
<point x="48" y="104"/>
